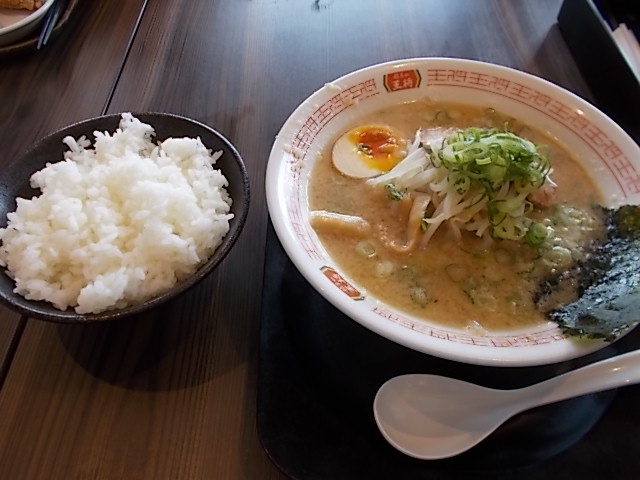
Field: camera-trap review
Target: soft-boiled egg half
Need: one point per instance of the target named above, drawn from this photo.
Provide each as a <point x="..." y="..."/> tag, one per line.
<point x="367" y="151"/>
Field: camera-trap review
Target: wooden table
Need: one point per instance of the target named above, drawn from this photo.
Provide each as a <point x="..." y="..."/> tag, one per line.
<point x="172" y="395"/>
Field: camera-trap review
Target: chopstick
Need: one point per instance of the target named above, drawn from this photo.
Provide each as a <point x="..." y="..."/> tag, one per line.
<point x="50" y="20"/>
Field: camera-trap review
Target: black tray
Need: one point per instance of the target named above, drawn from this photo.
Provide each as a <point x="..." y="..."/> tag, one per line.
<point x="319" y="372"/>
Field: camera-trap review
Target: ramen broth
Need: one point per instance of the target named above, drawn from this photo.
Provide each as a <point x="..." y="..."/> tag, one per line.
<point x="469" y="284"/>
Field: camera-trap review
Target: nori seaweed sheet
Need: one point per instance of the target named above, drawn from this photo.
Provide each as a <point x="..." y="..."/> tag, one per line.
<point x="608" y="282"/>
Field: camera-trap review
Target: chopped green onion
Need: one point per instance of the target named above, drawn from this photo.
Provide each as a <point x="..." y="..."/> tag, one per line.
<point x="536" y="234"/>
<point x="461" y="184"/>
<point x="557" y="257"/>
<point x="419" y="296"/>
<point x="492" y="161"/>
<point x="393" y="192"/>
<point x="366" y="249"/>
<point x="384" y="269"/>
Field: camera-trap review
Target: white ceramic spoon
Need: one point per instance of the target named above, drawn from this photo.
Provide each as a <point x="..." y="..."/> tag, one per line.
<point x="432" y="417"/>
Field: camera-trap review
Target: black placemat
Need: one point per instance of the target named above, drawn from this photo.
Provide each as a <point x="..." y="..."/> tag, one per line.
<point x="319" y="372"/>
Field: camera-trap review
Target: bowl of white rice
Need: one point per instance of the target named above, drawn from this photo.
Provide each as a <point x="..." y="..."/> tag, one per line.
<point x="115" y="215"/>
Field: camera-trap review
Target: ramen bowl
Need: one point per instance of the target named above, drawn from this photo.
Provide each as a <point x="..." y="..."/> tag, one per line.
<point x="608" y="155"/>
<point x="15" y="183"/>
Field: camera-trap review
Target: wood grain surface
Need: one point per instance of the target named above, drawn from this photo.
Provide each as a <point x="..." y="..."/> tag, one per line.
<point x="11" y="328"/>
<point x="172" y="394"/>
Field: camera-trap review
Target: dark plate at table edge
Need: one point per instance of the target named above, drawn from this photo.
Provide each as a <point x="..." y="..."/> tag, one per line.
<point x="30" y="43"/>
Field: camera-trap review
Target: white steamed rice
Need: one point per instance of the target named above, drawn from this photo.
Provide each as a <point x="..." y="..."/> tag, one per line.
<point x="118" y="223"/>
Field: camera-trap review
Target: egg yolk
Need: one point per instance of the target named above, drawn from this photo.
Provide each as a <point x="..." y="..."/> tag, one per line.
<point x="377" y="146"/>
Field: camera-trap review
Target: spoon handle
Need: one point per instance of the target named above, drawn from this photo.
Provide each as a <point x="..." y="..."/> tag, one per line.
<point x="604" y="375"/>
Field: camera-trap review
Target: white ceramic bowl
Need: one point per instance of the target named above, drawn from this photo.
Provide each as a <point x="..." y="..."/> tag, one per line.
<point x="17" y="24"/>
<point x="606" y="151"/>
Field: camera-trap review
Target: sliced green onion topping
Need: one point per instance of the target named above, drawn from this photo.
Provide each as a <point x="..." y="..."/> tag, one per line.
<point x="536" y="234"/>
<point x="393" y="192"/>
<point x="490" y="160"/>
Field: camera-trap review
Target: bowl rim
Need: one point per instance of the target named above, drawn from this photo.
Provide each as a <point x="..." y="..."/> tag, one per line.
<point x="543" y="353"/>
<point x="235" y="229"/>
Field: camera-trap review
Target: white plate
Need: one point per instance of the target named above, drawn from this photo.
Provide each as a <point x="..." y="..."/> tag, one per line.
<point x="17" y="24"/>
<point x="607" y="152"/>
